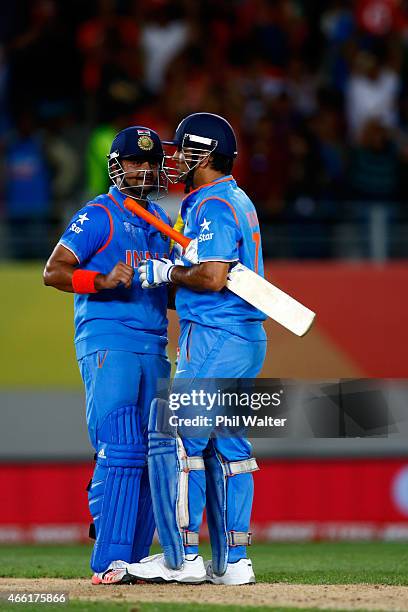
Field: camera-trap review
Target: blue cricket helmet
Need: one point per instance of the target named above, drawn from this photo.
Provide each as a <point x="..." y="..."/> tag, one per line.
<point x="208" y="132"/>
<point x="138" y="142"/>
<point x="143" y="144"/>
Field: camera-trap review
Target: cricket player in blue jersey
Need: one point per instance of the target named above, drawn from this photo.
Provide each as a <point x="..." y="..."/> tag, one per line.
<point x="120" y="340"/>
<point x="222" y="336"/>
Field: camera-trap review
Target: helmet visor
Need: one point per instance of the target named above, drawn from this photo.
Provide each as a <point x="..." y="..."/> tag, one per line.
<point x="138" y="178"/>
<point x="179" y="160"/>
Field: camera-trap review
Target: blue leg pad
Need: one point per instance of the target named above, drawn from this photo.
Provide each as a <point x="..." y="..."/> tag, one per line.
<point x="114" y="492"/>
<point x="169" y="469"/>
<point x="229" y="504"/>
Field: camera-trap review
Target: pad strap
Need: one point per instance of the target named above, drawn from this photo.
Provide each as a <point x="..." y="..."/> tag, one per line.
<point x="188" y="464"/>
<point x="190" y="538"/>
<point x="239" y="538"/>
<point x="231" y="468"/>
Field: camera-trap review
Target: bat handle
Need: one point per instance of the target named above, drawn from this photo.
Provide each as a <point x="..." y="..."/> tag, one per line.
<point x="138" y="210"/>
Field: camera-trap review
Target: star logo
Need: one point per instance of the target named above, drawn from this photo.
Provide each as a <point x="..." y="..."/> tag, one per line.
<point x="205" y="225"/>
<point x="83" y="218"/>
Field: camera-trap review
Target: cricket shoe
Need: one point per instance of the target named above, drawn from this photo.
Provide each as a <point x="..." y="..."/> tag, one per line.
<point x="237" y="573"/>
<point x="115" y="574"/>
<point x="154" y="569"/>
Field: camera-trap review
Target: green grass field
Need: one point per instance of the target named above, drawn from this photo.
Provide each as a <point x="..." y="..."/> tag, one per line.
<point x="306" y="563"/>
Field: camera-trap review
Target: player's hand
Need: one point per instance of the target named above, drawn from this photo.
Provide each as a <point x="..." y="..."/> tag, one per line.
<point x="155" y="272"/>
<point x="120" y="274"/>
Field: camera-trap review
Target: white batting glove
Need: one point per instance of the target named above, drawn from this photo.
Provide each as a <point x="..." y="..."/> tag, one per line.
<point x="191" y="252"/>
<point x="155" y="272"/>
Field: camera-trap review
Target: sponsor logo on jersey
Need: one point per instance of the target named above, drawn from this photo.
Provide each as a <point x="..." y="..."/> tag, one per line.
<point x="205" y="237"/>
<point x="101" y="454"/>
<point x="75" y="228"/>
<point x="205" y="227"/>
<point x="83" y="218"/>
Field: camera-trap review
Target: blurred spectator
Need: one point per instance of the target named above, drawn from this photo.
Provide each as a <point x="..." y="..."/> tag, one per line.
<point x="374" y="164"/>
<point x="302" y="87"/>
<point x="372" y="92"/>
<point x="112" y="64"/>
<point x="43" y="58"/>
<point x="373" y="175"/>
<point x="164" y="35"/>
<point x="27" y="191"/>
<point x="380" y="17"/>
<point x="338" y="26"/>
<point x="64" y="166"/>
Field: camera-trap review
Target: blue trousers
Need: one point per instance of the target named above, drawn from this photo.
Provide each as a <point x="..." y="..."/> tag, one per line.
<point x="208" y="353"/>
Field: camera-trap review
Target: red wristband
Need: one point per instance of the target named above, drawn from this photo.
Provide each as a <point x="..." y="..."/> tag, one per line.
<point x="83" y="281"/>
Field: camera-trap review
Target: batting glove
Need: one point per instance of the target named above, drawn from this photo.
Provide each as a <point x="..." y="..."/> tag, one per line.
<point x="155" y="272"/>
<point x="189" y="255"/>
<point x="191" y="252"/>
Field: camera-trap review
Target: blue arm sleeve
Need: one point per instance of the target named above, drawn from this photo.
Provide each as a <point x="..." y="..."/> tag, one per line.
<point x="218" y="232"/>
<point x="87" y="232"/>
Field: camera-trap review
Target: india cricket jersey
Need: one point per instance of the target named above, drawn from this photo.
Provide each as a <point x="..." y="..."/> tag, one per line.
<point x="100" y="235"/>
<point x="224" y="221"/>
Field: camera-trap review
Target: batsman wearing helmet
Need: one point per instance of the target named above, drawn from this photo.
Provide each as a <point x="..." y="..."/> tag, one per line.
<point x="221" y="337"/>
<point x="120" y="340"/>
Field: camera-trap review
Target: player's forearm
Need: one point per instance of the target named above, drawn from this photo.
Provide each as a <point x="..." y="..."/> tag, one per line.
<point x="199" y="277"/>
<point x="59" y="275"/>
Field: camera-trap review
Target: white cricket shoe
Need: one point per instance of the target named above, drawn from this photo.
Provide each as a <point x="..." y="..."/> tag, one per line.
<point x="115" y="574"/>
<point x="154" y="569"/>
<point x="240" y="572"/>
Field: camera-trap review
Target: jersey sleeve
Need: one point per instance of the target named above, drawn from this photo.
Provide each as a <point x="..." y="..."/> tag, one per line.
<point x="87" y="232"/>
<point x="218" y="234"/>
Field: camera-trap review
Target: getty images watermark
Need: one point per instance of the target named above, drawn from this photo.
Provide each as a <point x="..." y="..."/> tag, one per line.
<point x="228" y="409"/>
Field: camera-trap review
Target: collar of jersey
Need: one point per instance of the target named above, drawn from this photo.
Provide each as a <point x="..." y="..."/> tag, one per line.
<point x="222" y="179"/>
<point x="189" y="201"/>
<point x="119" y="198"/>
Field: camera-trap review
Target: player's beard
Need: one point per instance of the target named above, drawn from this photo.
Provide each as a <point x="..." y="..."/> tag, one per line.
<point x="140" y="191"/>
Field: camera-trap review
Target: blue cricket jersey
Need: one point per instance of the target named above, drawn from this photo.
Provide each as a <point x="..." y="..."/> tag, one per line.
<point x="100" y="235"/>
<point x="224" y="221"/>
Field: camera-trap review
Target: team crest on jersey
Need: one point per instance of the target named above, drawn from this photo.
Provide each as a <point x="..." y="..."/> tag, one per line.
<point x="145" y="143"/>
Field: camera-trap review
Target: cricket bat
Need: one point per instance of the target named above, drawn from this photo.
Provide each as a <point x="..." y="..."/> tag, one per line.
<point x="245" y="283"/>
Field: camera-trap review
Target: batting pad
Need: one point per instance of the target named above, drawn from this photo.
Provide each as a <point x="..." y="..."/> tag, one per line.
<point x="169" y="472"/>
<point x="230" y="491"/>
<point x="115" y="487"/>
